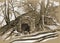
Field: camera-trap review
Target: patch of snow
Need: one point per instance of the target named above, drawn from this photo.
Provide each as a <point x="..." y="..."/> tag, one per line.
<point x="52" y="27"/>
<point x="8" y="38"/>
<point x="30" y="41"/>
<point x="37" y="36"/>
<point x="4" y="23"/>
<point x="12" y="17"/>
<point x="1" y="18"/>
<point x="49" y="39"/>
<point x="38" y="8"/>
<point x="20" y="10"/>
<point x="15" y="8"/>
<point x="6" y="34"/>
<point x="15" y="31"/>
<point x="56" y="3"/>
<point x="46" y="2"/>
<point x="58" y="24"/>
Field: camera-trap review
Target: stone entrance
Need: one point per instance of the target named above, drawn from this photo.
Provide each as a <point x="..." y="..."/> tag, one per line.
<point x="26" y="23"/>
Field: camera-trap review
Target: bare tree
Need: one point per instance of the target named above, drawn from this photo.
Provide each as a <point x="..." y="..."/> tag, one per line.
<point x="45" y="12"/>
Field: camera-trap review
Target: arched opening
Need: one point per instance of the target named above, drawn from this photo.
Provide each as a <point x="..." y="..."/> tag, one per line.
<point x="25" y="27"/>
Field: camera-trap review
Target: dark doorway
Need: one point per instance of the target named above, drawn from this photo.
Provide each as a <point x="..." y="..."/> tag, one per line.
<point x="25" y="27"/>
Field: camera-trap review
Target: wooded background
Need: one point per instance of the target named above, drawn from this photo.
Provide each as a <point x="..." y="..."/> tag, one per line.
<point x="58" y="16"/>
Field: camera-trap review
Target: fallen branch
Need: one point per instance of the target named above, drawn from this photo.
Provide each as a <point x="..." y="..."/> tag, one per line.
<point x="39" y="38"/>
